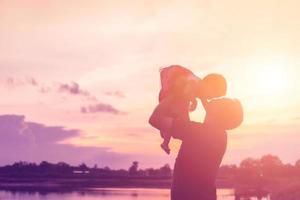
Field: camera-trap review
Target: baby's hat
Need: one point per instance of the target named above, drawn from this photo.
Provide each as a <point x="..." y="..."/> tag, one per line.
<point x="172" y="73"/>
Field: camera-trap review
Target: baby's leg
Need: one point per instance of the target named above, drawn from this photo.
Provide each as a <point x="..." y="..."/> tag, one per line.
<point x="166" y="141"/>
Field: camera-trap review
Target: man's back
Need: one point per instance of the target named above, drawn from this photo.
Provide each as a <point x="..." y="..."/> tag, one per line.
<point x="198" y="160"/>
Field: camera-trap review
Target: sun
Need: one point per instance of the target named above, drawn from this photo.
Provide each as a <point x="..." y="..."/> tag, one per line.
<point x="271" y="79"/>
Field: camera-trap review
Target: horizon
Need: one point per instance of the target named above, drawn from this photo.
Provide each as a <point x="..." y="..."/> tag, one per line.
<point x="79" y="80"/>
<point x="274" y="157"/>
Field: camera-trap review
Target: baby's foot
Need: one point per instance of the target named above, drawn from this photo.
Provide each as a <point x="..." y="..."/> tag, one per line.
<point x="165" y="147"/>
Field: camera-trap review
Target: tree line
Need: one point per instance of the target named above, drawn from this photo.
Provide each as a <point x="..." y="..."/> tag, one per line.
<point x="260" y="171"/>
<point x="62" y="169"/>
<point x="250" y="170"/>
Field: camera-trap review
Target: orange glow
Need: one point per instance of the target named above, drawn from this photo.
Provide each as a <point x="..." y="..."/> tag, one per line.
<point x="271" y="77"/>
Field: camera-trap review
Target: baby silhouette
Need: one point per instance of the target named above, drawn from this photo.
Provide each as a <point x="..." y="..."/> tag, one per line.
<point x="176" y="81"/>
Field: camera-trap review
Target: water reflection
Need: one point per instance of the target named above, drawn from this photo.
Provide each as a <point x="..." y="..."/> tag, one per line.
<point x="107" y="194"/>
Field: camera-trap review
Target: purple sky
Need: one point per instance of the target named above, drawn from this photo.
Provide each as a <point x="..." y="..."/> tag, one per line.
<point x="79" y="79"/>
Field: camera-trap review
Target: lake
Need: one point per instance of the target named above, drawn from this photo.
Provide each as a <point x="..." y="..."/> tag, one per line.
<point x="106" y="194"/>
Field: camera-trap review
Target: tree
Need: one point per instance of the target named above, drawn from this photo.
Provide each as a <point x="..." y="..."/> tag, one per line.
<point x="133" y="169"/>
<point x="83" y="167"/>
<point x="270" y="160"/>
<point x="63" y="167"/>
<point x="249" y="172"/>
<point x="165" y="170"/>
<point x="45" y="166"/>
<point x="271" y="166"/>
<point x="250" y="163"/>
<point x="297" y="164"/>
<point x="297" y="167"/>
<point x="227" y="171"/>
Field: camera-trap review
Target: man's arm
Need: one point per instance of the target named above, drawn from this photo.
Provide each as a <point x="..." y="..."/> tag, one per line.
<point x="159" y="119"/>
<point x="178" y="128"/>
<point x="186" y="130"/>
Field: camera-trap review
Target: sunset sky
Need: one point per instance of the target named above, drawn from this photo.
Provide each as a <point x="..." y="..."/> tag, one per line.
<point x="79" y="79"/>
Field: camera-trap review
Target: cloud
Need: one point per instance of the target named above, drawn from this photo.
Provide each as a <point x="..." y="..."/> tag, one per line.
<point x="15" y="82"/>
<point x="72" y="88"/>
<point x="32" y="81"/>
<point x="34" y="142"/>
<point x="45" y="89"/>
<point x="116" y="93"/>
<point x="101" y="108"/>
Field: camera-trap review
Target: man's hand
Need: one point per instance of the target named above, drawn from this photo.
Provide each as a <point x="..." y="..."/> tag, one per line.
<point x="205" y="104"/>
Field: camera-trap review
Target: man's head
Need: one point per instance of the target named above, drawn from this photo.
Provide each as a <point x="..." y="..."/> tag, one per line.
<point x="224" y="113"/>
<point x="213" y="86"/>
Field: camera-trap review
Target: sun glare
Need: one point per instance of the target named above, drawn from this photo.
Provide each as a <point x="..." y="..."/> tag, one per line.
<point x="271" y="79"/>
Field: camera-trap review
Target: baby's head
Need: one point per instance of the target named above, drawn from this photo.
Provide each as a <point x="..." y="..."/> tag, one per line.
<point x="224" y="113"/>
<point x="213" y="86"/>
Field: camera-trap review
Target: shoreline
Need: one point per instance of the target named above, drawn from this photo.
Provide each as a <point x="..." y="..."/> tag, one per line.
<point x="90" y="183"/>
<point x="105" y="185"/>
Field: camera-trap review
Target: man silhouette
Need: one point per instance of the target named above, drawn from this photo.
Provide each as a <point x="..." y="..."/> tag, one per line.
<point x="203" y="145"/>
